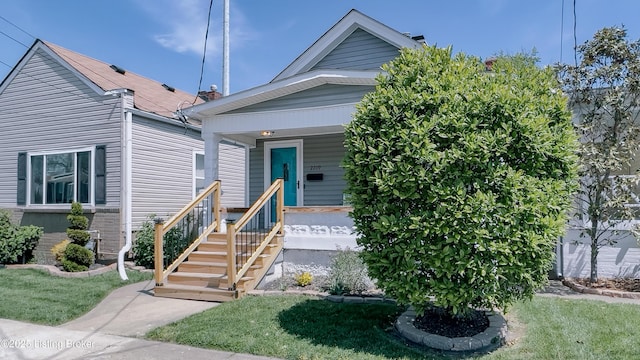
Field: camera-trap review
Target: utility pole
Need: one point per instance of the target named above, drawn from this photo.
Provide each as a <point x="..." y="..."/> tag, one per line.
<point x="225" y="50"/>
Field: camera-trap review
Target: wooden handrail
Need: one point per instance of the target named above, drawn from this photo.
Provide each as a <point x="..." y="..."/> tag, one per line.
<point x="232" y="229"/>
<point x="198" y="199"/>
<point x="161" y="229"/>
<point x="262" y="200"/>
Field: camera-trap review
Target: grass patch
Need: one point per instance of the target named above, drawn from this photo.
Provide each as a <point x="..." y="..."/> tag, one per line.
<point x="293" y="327"/>
<point x="298" y="327"/>
<point x="558" y="328"/>
<point x="34" y="296"/>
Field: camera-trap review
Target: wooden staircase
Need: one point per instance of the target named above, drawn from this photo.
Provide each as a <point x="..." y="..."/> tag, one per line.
<point x="203" y="276"/>
<point x="216" y="266"/>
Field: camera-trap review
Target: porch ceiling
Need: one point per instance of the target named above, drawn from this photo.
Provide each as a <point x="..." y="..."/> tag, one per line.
<point x="251" y="137"/>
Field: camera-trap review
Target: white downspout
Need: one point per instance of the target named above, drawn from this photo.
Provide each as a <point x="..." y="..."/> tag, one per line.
<point x="126" y="200"/>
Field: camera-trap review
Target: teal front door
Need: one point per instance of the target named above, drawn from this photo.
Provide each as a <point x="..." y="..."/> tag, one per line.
<point x="284" y="165"/>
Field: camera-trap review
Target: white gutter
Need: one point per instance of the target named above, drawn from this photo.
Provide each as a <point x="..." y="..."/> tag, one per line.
<point x="125" y="199"/>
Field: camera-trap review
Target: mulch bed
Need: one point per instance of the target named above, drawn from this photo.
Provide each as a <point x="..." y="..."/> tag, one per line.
<point x="619" y="284"/>
<point x="435" y="321"/>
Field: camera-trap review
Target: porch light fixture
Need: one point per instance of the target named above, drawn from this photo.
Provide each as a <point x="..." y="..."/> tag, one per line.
<point x="267" y="133"/>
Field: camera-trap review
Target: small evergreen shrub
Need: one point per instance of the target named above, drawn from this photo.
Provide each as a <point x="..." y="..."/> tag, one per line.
<point x="70" y="266"/>
<point x="58" y="249"/>
<point x="348" y="273"/>
<point x="79" y="255"/>
<point x="16" y="242"/>
<point x="77" y="231"/>
<point x="303" y="279"/>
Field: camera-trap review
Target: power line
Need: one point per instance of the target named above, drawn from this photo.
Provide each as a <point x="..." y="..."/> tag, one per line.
<point x="14" y="39"/>
<point x="561" y="29"/>
<point x="204" y="54"/>
<point x="17" y="27"/>
<point x="7" y="65"/>
<point x="575" y="39"/>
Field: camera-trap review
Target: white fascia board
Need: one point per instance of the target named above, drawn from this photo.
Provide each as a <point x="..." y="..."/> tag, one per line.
<point x="279" y="89"/>
<point x="323" y="116"/>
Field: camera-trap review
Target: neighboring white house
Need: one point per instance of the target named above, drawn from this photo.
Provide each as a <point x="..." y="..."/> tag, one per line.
<point x="79" y="129"/>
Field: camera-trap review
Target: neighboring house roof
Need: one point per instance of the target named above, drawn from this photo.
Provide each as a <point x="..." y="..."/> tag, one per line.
<point x="149" y="95"/>
<point x="302" y="74"/>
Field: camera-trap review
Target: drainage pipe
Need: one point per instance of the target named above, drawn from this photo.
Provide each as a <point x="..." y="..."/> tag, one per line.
<point x="127" y="184"/>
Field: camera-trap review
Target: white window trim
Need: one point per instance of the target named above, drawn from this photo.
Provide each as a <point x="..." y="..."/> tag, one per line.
<point x="194" y="171"/>
<point x="92" y="188"/>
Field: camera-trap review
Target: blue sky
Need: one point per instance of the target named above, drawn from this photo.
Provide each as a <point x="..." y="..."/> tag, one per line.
<point x="163" y="39"/>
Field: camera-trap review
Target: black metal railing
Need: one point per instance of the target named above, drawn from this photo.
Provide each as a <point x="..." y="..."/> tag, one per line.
<point x="250" y="235"/>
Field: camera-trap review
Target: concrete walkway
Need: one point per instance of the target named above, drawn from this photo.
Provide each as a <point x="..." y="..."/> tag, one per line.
<point x="557" y="289"/>
<point x="112" y="330"/>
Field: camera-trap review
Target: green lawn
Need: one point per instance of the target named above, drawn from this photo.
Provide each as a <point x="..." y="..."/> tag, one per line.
<point x="298" y="327"/>
<point x="35" y="296"/>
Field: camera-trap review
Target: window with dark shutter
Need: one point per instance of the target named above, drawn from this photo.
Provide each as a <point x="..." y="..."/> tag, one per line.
<point x="101" y="174"/>
<point x="22" y="179"/>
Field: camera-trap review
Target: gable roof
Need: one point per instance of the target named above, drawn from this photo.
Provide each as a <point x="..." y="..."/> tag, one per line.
<point x="349" y="23"/>
<point x="149" y="95"/>
<point x="301" y="75"/>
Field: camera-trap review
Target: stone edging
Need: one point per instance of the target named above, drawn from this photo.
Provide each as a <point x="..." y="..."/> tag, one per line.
<point x="350" y="299"/>
<point x="53" y="270"/>
<point x="568" y="282"/>
<point x="491" y="338"/>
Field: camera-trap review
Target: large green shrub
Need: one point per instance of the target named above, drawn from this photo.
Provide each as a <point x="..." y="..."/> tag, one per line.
<point x="175" y="242"/>
<point x="16" y="242"/>
<point x="460" y="178"/>
<point x="143" y="247"/>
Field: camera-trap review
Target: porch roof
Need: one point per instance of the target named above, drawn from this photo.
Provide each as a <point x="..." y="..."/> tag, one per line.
<point x="247" y="127"/>
<point x="281" y="88"/>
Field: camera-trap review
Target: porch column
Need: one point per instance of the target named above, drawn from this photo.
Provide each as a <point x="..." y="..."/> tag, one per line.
<point x="212" y="158"/>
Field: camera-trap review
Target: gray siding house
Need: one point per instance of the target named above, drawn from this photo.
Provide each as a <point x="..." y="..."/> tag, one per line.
<point x="79" y="129"/>
<point x="293" y="127"/>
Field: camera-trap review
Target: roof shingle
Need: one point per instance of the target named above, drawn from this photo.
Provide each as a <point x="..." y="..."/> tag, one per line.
<point x="149" y="95"/>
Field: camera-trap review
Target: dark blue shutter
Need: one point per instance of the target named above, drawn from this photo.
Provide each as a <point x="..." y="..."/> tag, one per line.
<point x="101" y="174"/>
<point x="22" y="179"/>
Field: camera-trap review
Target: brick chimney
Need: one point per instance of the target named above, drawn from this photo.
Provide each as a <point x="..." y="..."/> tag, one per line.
<point x="211" y="95"/>
<point x="488" y="63"/>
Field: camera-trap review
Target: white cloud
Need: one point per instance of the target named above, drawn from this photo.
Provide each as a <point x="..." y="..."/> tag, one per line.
<point x="185" y="24"/>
